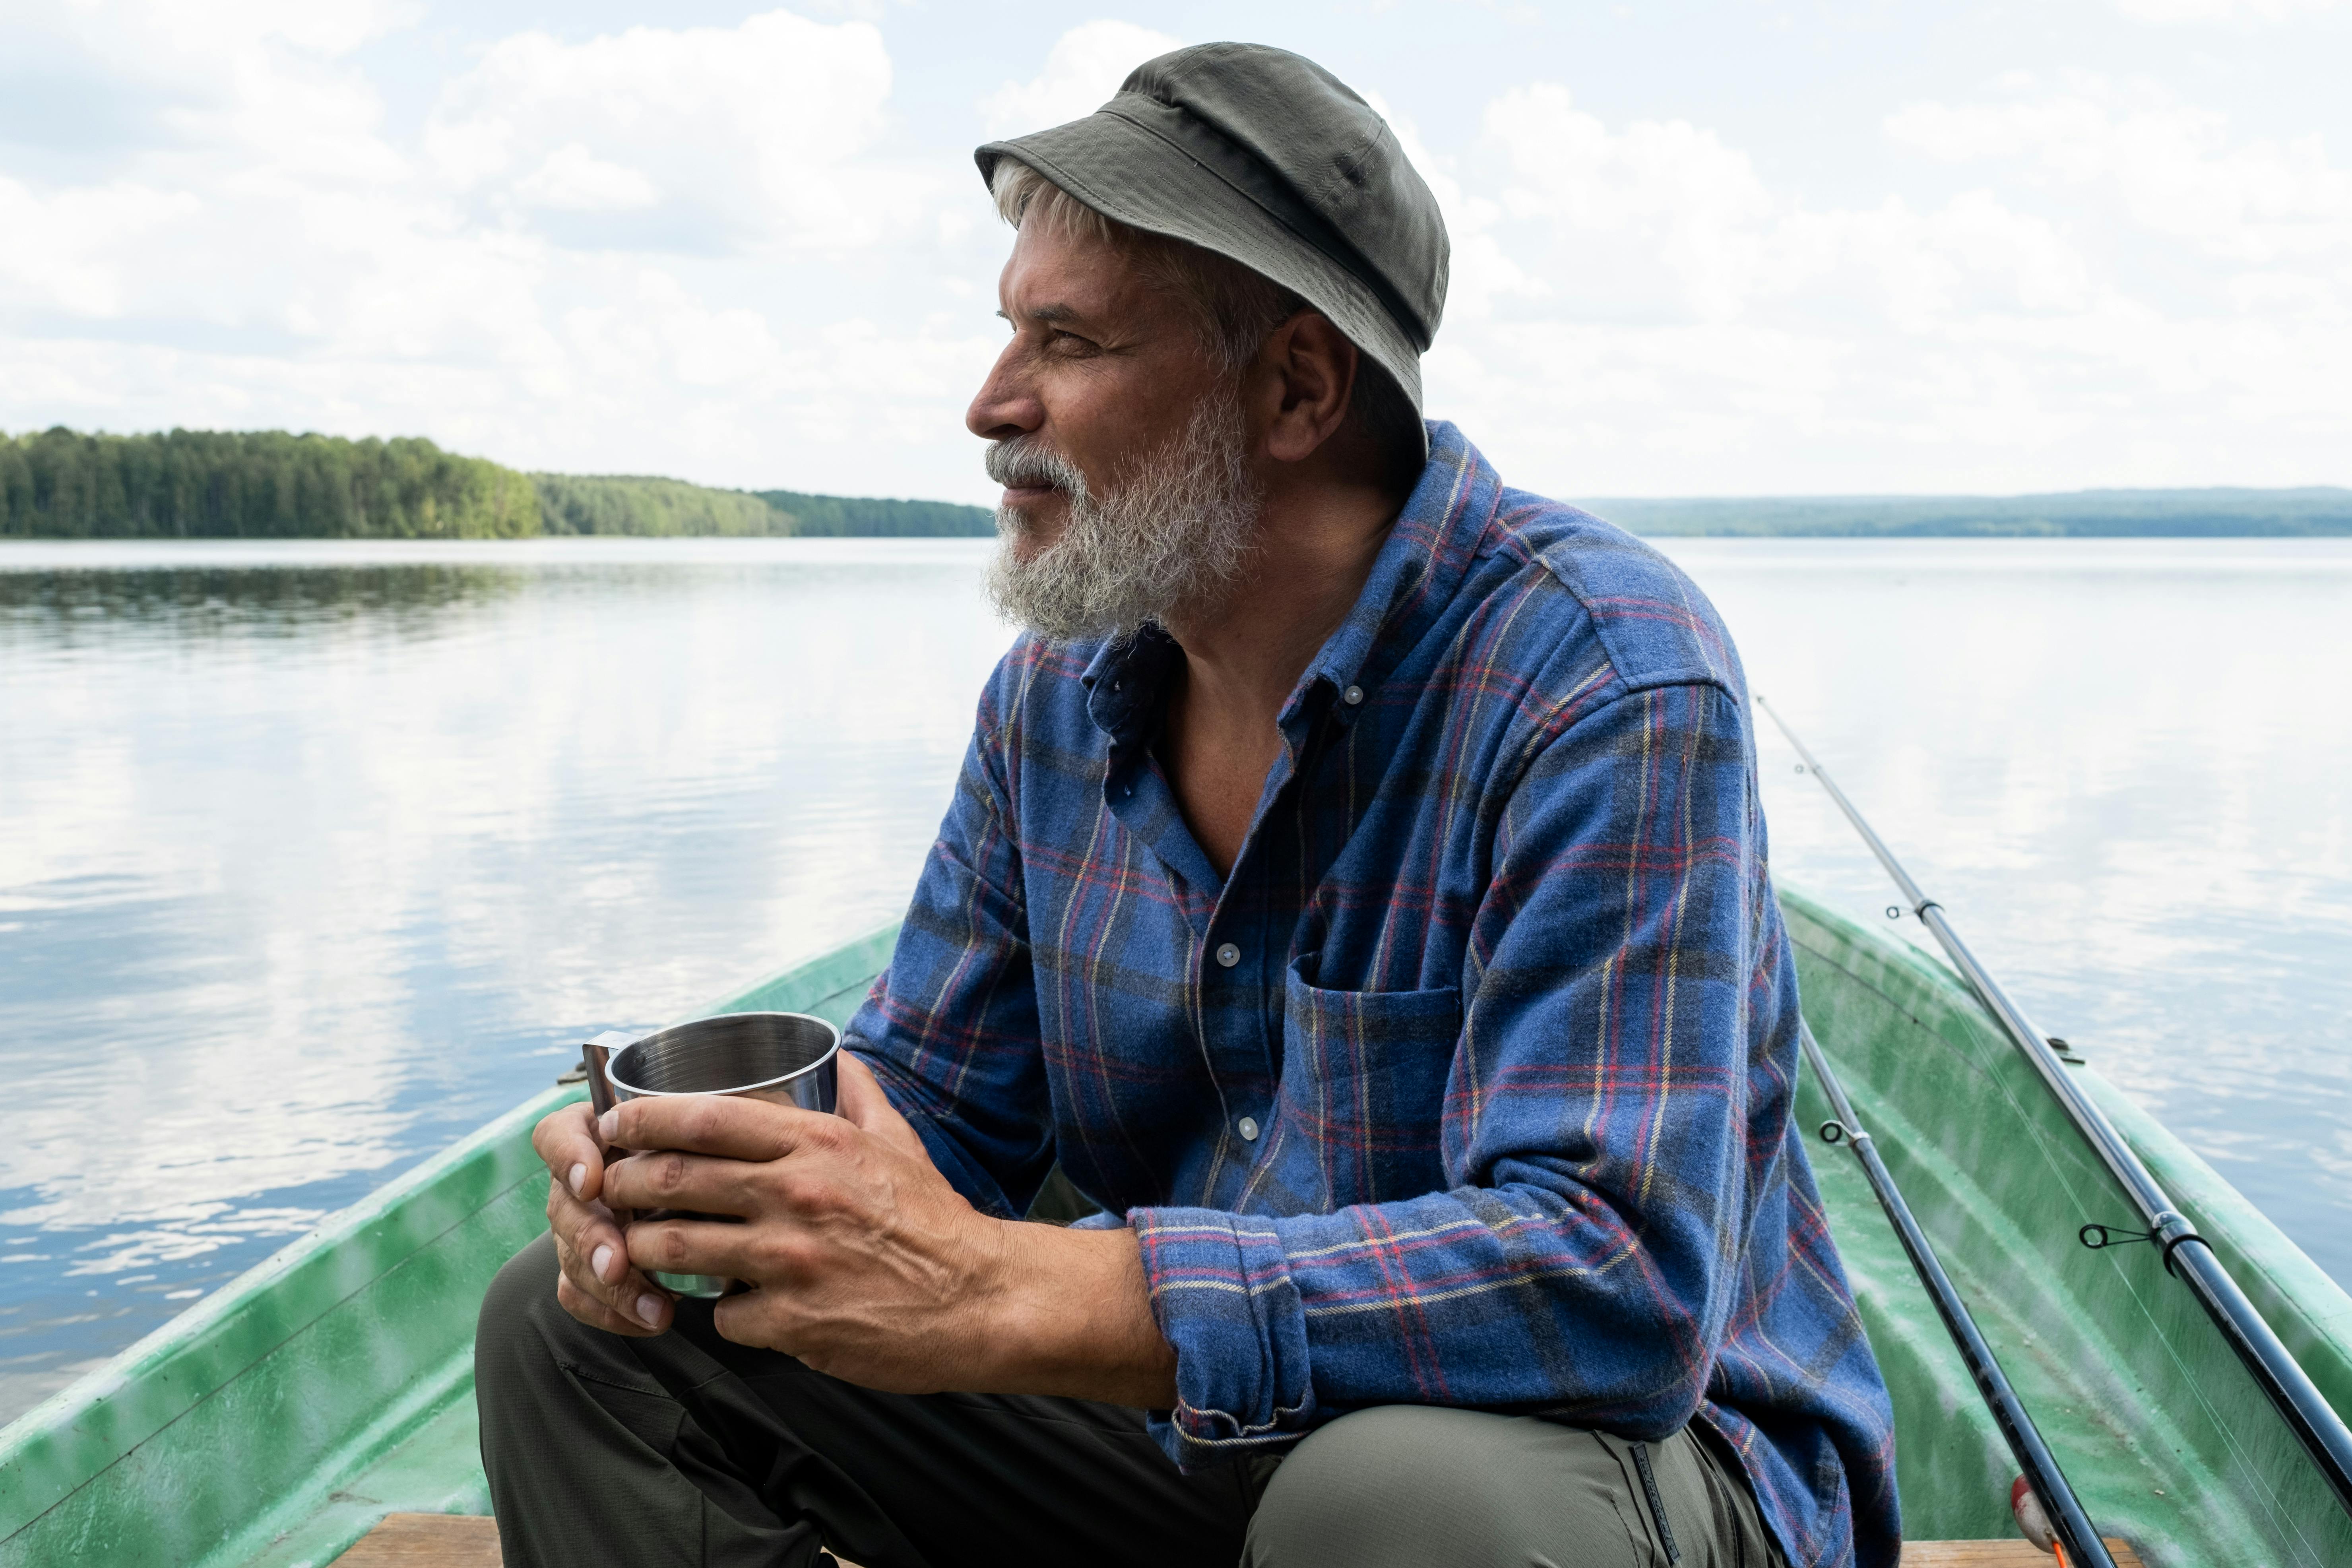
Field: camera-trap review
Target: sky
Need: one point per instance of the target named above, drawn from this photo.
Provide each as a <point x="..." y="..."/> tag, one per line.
<point x="1700" y="248"/>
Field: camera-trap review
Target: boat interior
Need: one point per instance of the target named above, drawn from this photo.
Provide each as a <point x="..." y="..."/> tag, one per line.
<point x="321" y="1408"/>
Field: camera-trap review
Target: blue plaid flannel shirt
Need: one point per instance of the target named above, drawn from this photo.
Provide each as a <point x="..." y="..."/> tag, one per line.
<point x="1472" y="1084"/>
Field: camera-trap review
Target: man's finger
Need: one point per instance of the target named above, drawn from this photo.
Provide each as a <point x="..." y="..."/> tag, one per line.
<point x="702" y="1246"/>
<point x="663" y="1179"/>
<point x="595" y="1255"/>
<point x="596" y="1313"/>
<point x="726" y="1125"/>
<point x="566" y="1139"/>
<point x="581" y="1225"/>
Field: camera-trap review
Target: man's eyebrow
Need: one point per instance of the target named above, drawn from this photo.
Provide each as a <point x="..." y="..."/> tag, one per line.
<point x="1051" y="315"/>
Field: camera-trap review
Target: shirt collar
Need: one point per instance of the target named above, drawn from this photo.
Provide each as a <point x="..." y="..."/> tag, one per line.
<point x="1420" y="565"/>
<point x="1124" y="682"/>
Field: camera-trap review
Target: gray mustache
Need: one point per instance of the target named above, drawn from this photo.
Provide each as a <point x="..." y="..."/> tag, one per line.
<point x="1023" y="461"/>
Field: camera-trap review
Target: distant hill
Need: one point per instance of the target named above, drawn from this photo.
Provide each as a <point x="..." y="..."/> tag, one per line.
<point x="269" y="484"/>
<point x="2317" y="510"/>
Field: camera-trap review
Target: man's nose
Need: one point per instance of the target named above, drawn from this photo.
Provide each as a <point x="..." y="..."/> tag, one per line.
<point x="1006" y="406"/>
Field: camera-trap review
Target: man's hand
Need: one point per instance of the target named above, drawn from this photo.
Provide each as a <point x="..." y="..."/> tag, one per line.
<point x="864" y="1262"/>
<point x="597" y="1285"/>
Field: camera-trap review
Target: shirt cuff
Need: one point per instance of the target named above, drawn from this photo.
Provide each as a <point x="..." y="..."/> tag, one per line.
<point x="1224" y="1298"/>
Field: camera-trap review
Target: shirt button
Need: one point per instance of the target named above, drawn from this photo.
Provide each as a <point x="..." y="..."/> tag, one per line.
<point x="1353" y="695"/>
<point x="1247" y="1128"/>
<point x="1229" y="956"/>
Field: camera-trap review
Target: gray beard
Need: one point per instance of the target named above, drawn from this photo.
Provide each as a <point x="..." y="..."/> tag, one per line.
<point x="1171" y="538"/>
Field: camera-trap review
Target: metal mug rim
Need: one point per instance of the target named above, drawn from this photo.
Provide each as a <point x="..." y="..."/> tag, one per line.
<point x="830" y="1051"/>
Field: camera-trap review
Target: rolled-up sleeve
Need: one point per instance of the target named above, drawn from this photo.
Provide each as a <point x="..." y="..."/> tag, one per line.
<point x="1581" y="1261"/>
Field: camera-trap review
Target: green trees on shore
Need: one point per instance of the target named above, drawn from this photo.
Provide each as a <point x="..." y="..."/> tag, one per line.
<point x="838" y="516"/>
<point x="628" y="504"/>
<point x="197" y="484"/>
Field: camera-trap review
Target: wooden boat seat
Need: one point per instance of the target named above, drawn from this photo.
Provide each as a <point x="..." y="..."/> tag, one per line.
<point x="467" y="1540"/>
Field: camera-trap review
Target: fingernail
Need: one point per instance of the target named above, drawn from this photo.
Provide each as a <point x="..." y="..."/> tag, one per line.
<point x="577" y="1178"/>
<point x="604" y="1256"/>
<point x="608" y="1126"/>
<point x="649" y="1311"/>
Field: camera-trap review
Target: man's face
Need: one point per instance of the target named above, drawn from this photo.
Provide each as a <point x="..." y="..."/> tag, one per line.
<point x="1103" y="369"/>
<point x="1119" y="441"/>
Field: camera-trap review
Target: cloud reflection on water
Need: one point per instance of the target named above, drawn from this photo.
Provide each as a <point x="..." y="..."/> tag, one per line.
<point x="305" y="866"/>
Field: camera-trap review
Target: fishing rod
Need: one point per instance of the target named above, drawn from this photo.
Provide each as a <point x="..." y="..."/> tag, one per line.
<point x="2067" y="1519"/>
<point x="2188" y="1256"/>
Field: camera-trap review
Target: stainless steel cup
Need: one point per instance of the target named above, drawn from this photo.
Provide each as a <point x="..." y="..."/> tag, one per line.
<point x="788" y="1058"/>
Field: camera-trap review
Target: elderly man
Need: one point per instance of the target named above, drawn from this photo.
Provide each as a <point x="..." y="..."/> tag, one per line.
<point x="1357" y="884"/>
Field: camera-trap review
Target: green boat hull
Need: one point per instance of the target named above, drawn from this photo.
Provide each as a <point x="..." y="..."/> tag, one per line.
<point x="278" y="1421"/>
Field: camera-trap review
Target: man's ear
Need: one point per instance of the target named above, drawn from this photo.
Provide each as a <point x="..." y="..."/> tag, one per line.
<point x="1313" y="364"/>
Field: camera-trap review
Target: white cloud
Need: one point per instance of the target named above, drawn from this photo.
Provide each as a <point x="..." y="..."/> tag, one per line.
<point x="269" y="78"/>
<point x="744" y="135"/>
<point x="719" y="252"/>
<point x="2121" y="270"/>
<point x="1082" y="73"/>
<point x="329" y="27"/>
<point x="68" y="248"/>
<point x="2170" y="167"/>
<point x="1653" y="193"/>
<point x="1661" y="220"/>
<point x="2173" y="13"/>
<point x="576" y="180"/>
<point x="666" y="250"/>
<point x="157" y="39"/>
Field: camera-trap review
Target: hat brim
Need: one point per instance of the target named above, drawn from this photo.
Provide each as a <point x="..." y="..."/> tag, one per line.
<point x="1139" y="176"/>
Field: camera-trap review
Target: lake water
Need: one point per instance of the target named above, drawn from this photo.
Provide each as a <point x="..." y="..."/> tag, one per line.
<point x="314" y="857"/>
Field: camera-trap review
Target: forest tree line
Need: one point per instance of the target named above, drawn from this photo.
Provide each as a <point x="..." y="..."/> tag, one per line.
<point x="842" y="516"/>
<point x="268" y="484"/>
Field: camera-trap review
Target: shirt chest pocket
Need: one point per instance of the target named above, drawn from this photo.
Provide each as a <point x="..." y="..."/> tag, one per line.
<point x="1363" y="1084"/>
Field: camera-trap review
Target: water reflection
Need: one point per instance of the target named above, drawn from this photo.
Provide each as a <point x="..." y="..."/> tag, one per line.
<point x="314" y="857"/>
<point x="201" y="598"/>
<point x="297" y="885"/>
<point x="2122" y="766"/>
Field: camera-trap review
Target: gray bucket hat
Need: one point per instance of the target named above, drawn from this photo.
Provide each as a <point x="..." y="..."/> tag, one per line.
<point x="1264" y="156"/>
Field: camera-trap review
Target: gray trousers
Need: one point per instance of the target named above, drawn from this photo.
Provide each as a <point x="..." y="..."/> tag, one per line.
<point x="689" y="1450"/>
